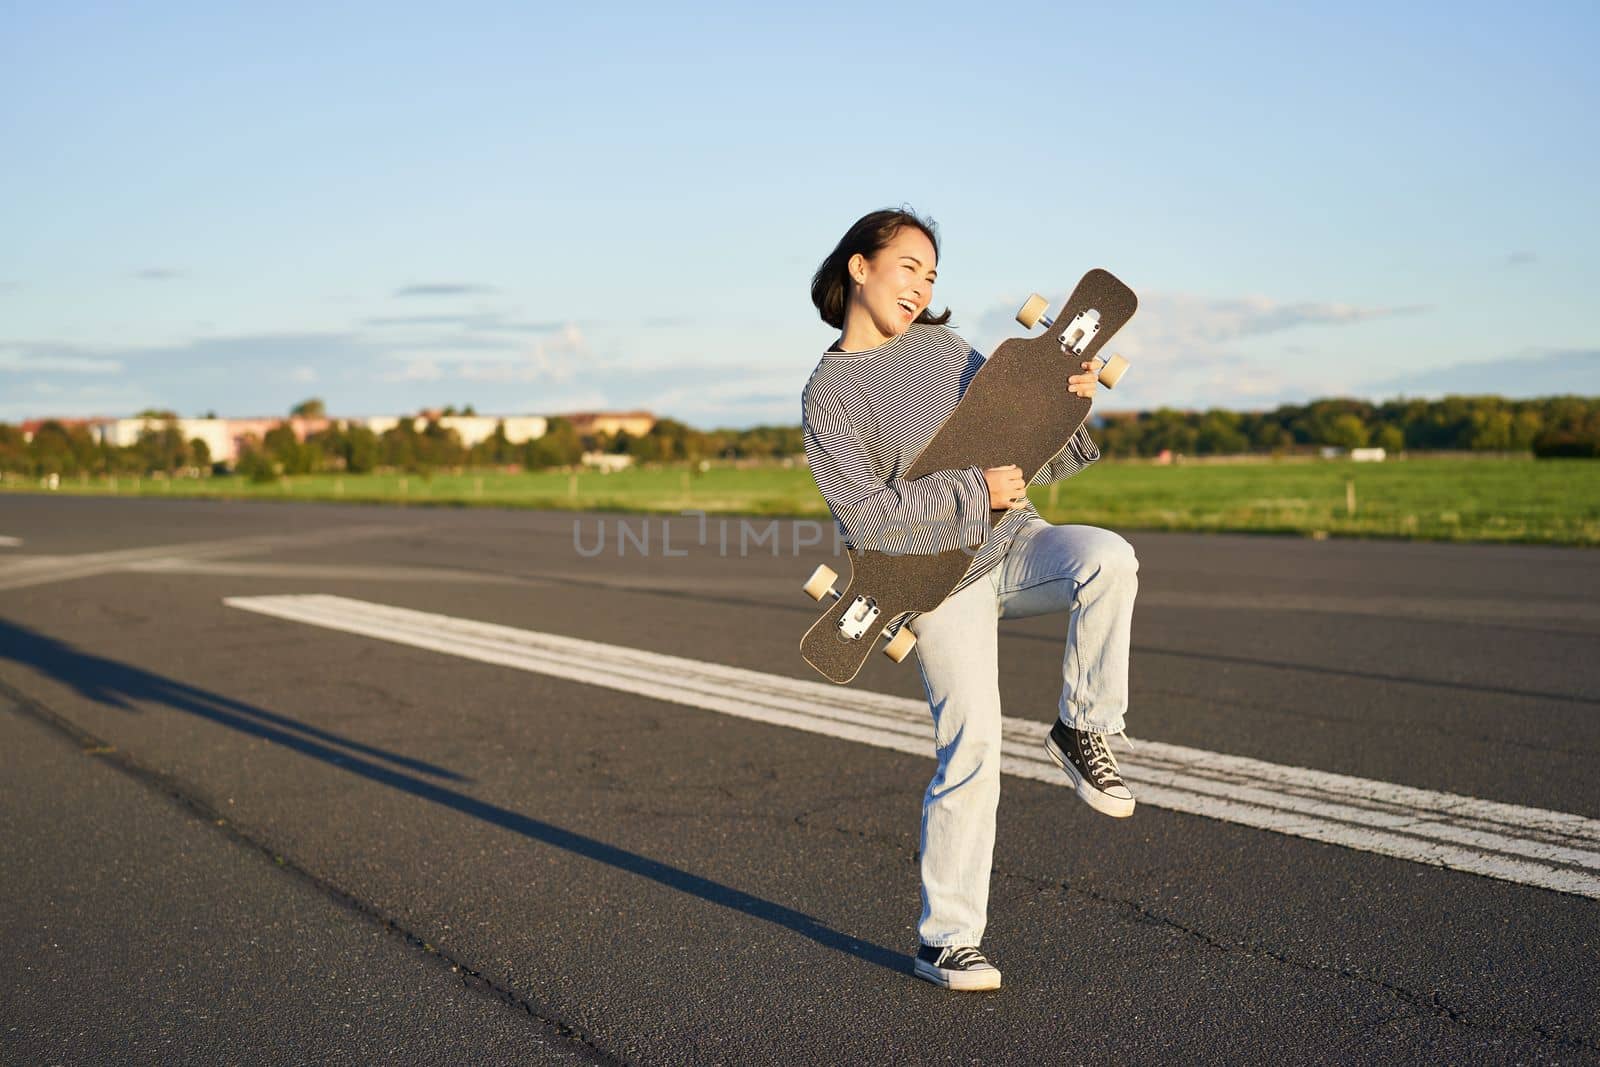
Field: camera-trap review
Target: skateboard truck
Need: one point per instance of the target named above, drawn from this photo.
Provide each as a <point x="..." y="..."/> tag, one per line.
<point x="859" y="617"/>
<point x="863" y="612"/>
<point x="1080" y="331"/>
<point x="1076" y="337"/>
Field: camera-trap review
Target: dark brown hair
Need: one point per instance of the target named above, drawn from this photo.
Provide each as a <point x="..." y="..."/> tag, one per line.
<point x="830" y="286"/>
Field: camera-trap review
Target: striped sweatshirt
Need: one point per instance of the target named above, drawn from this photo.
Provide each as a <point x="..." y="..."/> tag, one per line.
<point x="866" y="416"/>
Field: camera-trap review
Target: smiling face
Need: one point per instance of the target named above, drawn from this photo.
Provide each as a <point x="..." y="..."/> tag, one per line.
<point x="890" y="290"/>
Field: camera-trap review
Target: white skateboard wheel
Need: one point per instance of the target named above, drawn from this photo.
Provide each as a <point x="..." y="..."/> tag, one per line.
<point x="1112" y="372"/>
<point x="820" y="584"/>
<point x="900" y="647"/>
<point x="1032" y="308"/>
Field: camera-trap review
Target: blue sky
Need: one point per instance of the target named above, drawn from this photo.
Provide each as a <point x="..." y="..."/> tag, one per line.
<point x="534" y="208"/>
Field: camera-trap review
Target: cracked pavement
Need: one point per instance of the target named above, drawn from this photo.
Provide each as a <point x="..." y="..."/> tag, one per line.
<point x="271" y="843"/>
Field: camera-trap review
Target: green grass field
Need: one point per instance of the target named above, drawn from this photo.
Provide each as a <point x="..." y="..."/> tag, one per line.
<point x="1449" y="499"/>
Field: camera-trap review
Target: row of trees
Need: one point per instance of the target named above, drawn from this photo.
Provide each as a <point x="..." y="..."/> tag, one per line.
<point x="357" y="449"/>
<point x="71" y="450"/>
<point x="670" y="441"/>
<point x="1555" y="426"/>
<point x="1552" y="426"/>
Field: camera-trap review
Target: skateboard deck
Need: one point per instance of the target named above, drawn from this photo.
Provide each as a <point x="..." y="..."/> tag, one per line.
<point x="1016" y="410"/>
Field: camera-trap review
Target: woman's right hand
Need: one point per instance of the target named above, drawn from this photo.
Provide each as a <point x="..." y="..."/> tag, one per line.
<point x="1006" y="487"/>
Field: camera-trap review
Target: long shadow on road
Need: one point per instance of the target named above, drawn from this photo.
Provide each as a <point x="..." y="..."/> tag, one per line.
<point x="124" y="687"/>
<point x="118" y="685"/>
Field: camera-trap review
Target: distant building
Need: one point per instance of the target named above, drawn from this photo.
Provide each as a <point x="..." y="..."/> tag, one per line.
<point x="29" y="427"/>
<point x="227" y="438"/>
<point x="607" y="462"/>
<point x="632" y="423"/>
<point x="224" y="438"/>
<point x="243" y="431"/>
<point x="470" y="428"/>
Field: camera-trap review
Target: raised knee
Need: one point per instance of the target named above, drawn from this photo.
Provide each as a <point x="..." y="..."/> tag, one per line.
<point x="1113" y="554"/>
<point x="966" y="779"/>
<point x="971" y="758"/>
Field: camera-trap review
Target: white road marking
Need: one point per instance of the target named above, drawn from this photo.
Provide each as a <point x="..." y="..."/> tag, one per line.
<point x="41" y="570"/>
<point x="1530" y="846"/>
<point x="323" y="572"/>
<point x="1577" y="613"/>
<point x="10" y="542"/>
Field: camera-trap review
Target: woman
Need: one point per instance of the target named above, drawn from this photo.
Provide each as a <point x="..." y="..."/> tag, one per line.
<point x="878" y="395"/>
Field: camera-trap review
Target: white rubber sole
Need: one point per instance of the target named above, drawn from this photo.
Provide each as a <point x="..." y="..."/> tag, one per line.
<point x="1116" y="807"/>
<point x="964" y="981"/>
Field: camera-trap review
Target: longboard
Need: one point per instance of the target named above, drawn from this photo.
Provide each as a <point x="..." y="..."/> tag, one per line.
<point x="1016" y="410"/>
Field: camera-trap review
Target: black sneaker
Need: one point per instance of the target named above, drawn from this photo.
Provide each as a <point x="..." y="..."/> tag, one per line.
<point x="956" y="967"/>
<point x="1093" y="769"/>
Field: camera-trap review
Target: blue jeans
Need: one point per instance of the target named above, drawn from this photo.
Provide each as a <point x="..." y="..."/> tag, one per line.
<point x="1092" y="574"/>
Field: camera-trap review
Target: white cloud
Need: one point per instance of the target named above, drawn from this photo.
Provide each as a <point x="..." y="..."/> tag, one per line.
<point x="725" y="396"/>
<point x="508" y="371"/>
<point x="549" y="360"/>
<point x="478" y="321"/>
<point x="443" y="289"/>
<point x="576" y="400"/>
<point x="47" y="399"/>
<point x="417" y="370"/>
<point x="1541" y="373"/>
<point x="1178" y="321"/>
<point x="60" y="359"/>
<point x="304" y="375"/>
<point x="1193" y="351"/>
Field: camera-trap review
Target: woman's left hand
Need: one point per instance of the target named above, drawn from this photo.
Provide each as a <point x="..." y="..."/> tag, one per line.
<point x="1084" y="384"/>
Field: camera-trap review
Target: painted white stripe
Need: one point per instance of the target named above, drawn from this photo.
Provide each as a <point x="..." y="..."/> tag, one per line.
<point x="1577" y="612"/>
<point x="10" y="542"/>
<point x="337" y="572"/>
<point x="1531" y="846"/>
<point x="41" y="570"/>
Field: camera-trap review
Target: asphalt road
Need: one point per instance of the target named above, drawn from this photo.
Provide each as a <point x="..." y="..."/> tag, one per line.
<point x="233" y="837"/>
